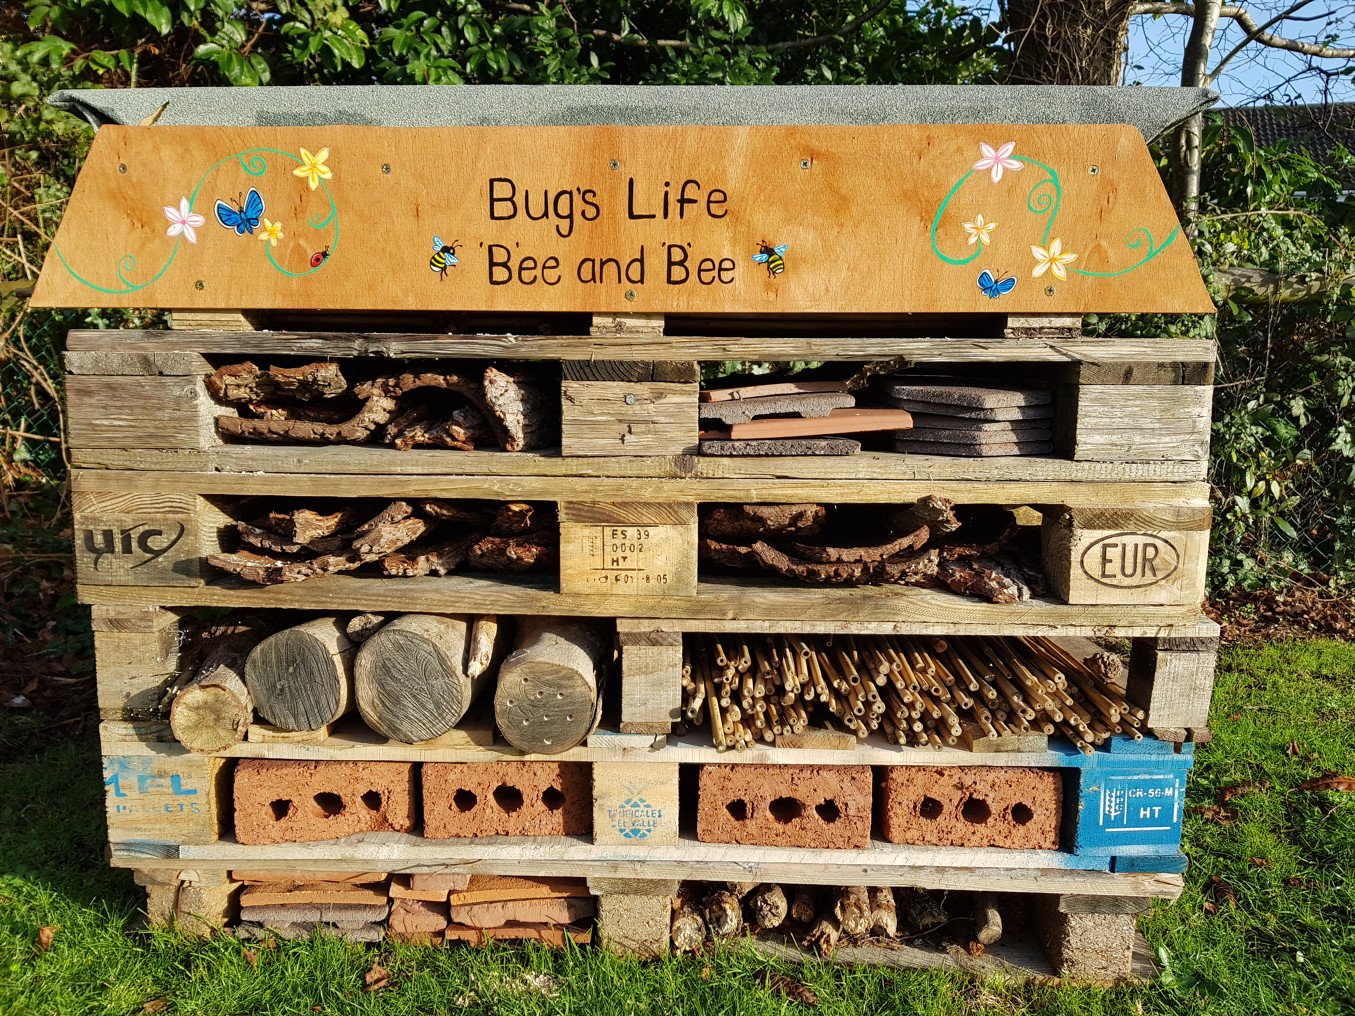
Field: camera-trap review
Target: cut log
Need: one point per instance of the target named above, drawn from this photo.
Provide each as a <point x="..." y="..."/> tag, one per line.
<point x="547" y="697"/>
<point x="767" y="906"/>
<point x="884" y="916"/>
<point x="823" y="937"/>
<point x="724" y="915"/>
<point x="302" y="678"/>
<point x="213" y="711"/>
<point x="922" y="909"/>
<point x="361" y="627"/>
<point x="688" y="929"/>
<point x="244" y="382"/>
<point x="803" y="907"/>
<point x="528" y="415"/>
<point x="375" y="412"/>
<point x="486" y="638"/>
<point x="852" y="910"/>
<point x="410" y="679"/>
<point x="987" y="919"/>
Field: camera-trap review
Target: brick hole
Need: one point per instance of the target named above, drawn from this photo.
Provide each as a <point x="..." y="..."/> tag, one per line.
<point x="1022" y="813"/>
<point x="371" y="800"/>
<point x="329" y="804"/>
<point x="281" y="809"/>
<point x="509" y="799"/>
<point x="930" y="809"/>
<point x="976" y="811"/>
<point x="464" y="800"/>
<point x="738" y="810"/>
<point x="828" y="811"/>
<point x="553" y="799"/>
<point x="786" y="809"/>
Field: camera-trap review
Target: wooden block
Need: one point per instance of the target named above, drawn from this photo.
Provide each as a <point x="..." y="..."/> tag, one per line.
<point x="604" y="418"/>
<point x="263" y="733"/>
<point x="635" y="802"/>
<point x="131" y="619"/>
<point x="633" y="632"/>
<point x="1140" y="423"/>
<point x="1085" y="946"/>
<point x="205" y="909"/>
<point x="298" y="877"/>
<point x="175" y="363"/>
<point x="651" y="687"/>
<point x="627" y="324"/>
<point x="270" y="893"/>
<point x="209" y="321"/>
<point x="143" y="539"/>
<point x="566" y="910"/>
<point x="629" y="548"/>
<point x="973" y="738"/>
<point x="104" y="411"/>
<point x="635" y="925"/>
<point x="631" y="371"/>
<point x="1173" y="686"/>
<point x="819" y="738"/>
<point x="134" y="669"/>
<point x="168" y="798"/>
<point x="1132" y="554"/>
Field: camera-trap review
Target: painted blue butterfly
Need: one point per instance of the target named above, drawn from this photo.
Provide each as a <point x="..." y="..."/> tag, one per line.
<point x="241" y="219"/>
<point x="993" y="288"/>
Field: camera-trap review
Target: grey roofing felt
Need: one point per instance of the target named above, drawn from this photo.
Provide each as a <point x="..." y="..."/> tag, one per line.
<point x="1151" y="110"/>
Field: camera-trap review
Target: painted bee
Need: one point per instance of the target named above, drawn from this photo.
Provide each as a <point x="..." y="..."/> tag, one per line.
<point x="772" y="257"/>
<point x="319" y="258"/>
<point x="444" y="256"/>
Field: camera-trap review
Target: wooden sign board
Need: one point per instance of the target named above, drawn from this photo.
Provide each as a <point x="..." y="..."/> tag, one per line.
<point x="731" y="220"/>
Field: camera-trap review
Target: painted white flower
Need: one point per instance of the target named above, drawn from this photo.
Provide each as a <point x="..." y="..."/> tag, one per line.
<point x="1051" y="260"/>
<point x="979" y="231"/>
<point x="181" y="220"/>
<point x="997" y="159"/>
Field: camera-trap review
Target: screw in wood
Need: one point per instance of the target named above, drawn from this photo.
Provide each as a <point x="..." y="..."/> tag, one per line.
<point x="122" y="167"/>
<point x="1093" y="170"/>
<point x="199" y="284"/>
<point x="1048" y="290"/>
<point x="630" y="294"/>
<point x="385" y="167"/>
<point x="614" y="164"/>
<point x="805" y="163"/>
<point x="629" y="400"/>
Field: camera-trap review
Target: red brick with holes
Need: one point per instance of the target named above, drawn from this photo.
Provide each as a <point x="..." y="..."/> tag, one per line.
<point x="507" y="799"/>
<point x="971" y="806"/>
<point x="278" y="801"/>
<point x="784" y="806"/>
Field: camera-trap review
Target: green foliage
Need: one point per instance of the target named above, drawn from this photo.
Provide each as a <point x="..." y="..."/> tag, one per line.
<point x="1283" y="463"/>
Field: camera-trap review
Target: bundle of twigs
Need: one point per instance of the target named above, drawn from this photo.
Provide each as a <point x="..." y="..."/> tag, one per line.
<point x="921" y="691"/>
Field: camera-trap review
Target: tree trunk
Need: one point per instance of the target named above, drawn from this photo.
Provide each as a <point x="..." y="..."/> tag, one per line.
<point x="213" y="711"/>
<point x="302" y="678"/>
<point x="547" y="697"/>
<point x="1184" y="157"/>
<point x="1066" y="42"/>
<point x="410" y="677"/>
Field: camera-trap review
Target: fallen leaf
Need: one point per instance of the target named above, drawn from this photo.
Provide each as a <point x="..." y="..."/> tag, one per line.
<point x="796" y="991"/>
<point x="1259" y="862"/>
<point x="1293" y="748"/>
<point x="1296" y="882"/>
<point x="251" y="957"/>
<point x="155" y="1005"/>
<point x="376" y="978"/>
<point x="1222" y="891"/>
<point x="1235" y="717"/>
<point x="45" y="935"/>
<point x="1210" y="907"/>
<point x="1250" y="787"/>
<point x="975" y="947"/>
<point x="705" y="972"/>
<point x="1329" y="781"/>
<point x="1216" y="813"/>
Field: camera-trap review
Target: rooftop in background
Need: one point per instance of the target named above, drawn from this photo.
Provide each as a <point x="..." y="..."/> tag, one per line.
<point x="1319" y="129"/>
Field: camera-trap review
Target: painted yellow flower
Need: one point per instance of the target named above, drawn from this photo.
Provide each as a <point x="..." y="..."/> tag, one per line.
<point x="271" y="231"/>
<point x="313" y="167"/>
<point x="979" y="231"/>
<point x="1051" y="260"/>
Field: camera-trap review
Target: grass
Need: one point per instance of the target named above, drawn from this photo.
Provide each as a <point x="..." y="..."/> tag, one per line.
<point x="1280" y="937"/>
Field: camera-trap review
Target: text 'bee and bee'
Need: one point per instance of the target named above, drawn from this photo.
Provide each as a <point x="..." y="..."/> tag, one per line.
<point x="564" y="208"/>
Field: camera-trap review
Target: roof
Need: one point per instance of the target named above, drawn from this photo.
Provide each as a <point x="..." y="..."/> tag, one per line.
<point x="1151" y="110"/>
<point x="1317" y="128"/>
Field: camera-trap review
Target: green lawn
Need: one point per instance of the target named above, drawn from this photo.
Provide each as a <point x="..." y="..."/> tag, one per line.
<point x="1280" y="939"/>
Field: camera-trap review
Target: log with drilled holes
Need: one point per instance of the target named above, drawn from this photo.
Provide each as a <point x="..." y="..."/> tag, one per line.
<point x="547" y="697"/>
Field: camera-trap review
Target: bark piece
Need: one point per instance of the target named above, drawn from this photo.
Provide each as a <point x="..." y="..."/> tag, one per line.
<point x="922" y="909"/>
<point x="732" y="555"/>
<point x="883" y="552"/>
<point x="986" y="578"/>
<point x="547" y="696"/>
<point x="430" y="557"/>
<point x="451" y="511"/>
<point x="410" y="679"/>
<point x="909" y="569"/>
<point x="513" y="518"/>
<point x="268" y="570"/>
<point x="267" y="539"/>
<point x="741" y="523"/>
<point x="387" y="539"/>
<point x="375" y="412"/>
<point x="936" y="513"/>
<point x="318" y="413"/>
<point x="533" y="551"/>
<point x="245" y="382"/>
<point x="304" y="526"/>
<point x="526" y="412"/>
<point x="984" y="530"/>
<point x="361" y="627"/>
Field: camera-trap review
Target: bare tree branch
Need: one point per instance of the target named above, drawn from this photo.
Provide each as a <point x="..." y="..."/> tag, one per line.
<point x="1255" y="32"/>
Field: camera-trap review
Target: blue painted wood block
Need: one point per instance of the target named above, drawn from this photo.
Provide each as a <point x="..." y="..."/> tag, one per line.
<point x="1173" y="863"/>
<point x="1129" y="800"/>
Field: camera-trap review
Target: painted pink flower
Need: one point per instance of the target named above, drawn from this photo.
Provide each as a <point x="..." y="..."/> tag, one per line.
<point x="998" y="159"/>
<point x="181" y="220"/>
